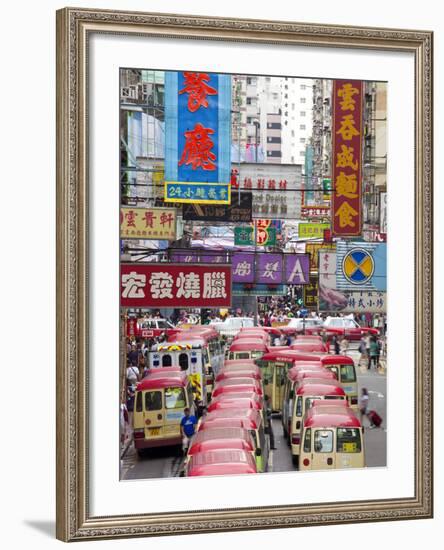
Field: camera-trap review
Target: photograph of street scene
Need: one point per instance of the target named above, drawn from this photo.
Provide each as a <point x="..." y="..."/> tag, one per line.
<point x="253" y="236"/>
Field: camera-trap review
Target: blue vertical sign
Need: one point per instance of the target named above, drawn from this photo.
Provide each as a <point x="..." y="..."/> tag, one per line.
<point x="198" y="137"/>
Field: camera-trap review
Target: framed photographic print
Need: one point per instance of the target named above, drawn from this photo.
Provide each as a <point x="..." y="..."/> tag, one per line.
<point x="244" y="274"/>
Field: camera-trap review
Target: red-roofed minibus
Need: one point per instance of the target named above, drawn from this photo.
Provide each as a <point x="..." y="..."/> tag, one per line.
<point x="221" y="463"/>
<point x="332" y="437"/>
<point x="236" y="385"/>
<point x="274" y="366"/>
<point x="215" y="439"/>
<point x="304" y="396"/>
<point x="242" y="400"/>
<point x="159" y="406"/>
<point x="310" y="347"/>
<point x="249" y="419"/>
<point x="301" y="370"/>
<point x="247" y="348"/>
<point x="344" y="369"/>
<point x="251" y="371"/>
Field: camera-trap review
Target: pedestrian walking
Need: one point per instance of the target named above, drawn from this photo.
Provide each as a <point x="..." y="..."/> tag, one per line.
<point x="187" y="428"/>
<point x="343" y="346"/>
<point x="269" y="421"/>
<point x="132" y="375"/>
<point x="362" y="350"/>
<point x="363" y="406"/>
<point x="335" y="342"/>
<point x="373" y="357"/>
<point x="130" y="396"/>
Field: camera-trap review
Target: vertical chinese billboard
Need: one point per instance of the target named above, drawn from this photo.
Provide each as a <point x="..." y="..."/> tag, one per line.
<point x="198" y="137"/>
<point x="347" y="157"/>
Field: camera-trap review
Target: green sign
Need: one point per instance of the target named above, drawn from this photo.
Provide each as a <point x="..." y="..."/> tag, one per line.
<point x="312" y="230"/>
<point x="243" y="236"/>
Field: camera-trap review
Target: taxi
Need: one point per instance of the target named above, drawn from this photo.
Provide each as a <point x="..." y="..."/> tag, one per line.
<point x="221" y="463"/>
<point x="332" y="437"/>
<point x="308" y="392"/>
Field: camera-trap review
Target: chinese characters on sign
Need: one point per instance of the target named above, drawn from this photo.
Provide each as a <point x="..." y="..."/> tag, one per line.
<point x="197" y="128"/>
<point x="315" y="212"/>
<point x="313" y="249"/>
<point x="170" y="285"/>
<point x="270" y="269"/>
<point x="312" y="230"/>
<point x="274" y="189"/>
<point x="346" y="157"/>
<point x="333" y="299"/>
<point x="311" y="293"/>
<point x="148" y="223"/>
<point x="200" y="193"/>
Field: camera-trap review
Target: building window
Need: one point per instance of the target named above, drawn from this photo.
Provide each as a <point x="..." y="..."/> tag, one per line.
<point x="303" y="86"/>
<point x="292" y="133"/>
<point x="302" y="153"/>
<point x="249" y="119"/>
<point x="293" y="106"/>
<point x="302" y="127"/>
<point x="302" y="113"/>
<point x="248" y="100"/>
<point x="302" y="140"/>
<point x="302" y="99"/>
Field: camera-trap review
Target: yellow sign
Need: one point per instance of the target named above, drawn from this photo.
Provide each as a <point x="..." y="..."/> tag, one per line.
<point x="312" y="230"/>
<point x="313" y="250"/>
<point x="349" y="448"/>
<point x="148" y="223"/>
<point x="196" y="381"/>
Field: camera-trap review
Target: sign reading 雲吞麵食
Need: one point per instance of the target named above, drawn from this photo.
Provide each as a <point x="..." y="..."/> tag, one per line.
<point x="148" y="223"/>
<point x="197" y="137"/>
<point x="163" y="285"/>
<point x="347" y="139"/>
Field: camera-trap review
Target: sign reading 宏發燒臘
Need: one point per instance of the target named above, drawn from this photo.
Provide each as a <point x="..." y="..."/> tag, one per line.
<point x="169" y="285"/>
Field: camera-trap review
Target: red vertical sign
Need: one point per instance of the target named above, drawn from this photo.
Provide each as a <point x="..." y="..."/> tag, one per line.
<point x="347" y="142"/>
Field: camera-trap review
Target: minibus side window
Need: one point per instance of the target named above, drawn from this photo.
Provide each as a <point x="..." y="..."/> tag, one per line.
<point x="309" y="403"/>
<point x="153" y="400"/>
<point x="307" y="441"/>
<point x="244" y="355"/>
<point x="348" y="373"/>
<point x="262" y="438"/>
<point x="139" y="403"/>
<point x="323" y="441"/>
<point x="334" y="370"/>
<point x="174" y="398"/>
<point x="299" y="406"/>
<point x="190" y="395"/>
<point x="183" y="361"/>
<point x="253" y="435"/>
<point x="166" y="360"/>
<point x="348" y="440"/>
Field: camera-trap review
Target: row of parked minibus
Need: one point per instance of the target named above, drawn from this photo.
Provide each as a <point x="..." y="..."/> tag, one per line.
<point x="315" y="393"/>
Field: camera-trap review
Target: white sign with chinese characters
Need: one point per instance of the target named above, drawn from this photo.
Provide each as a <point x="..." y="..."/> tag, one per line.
<point x="276" y="188"/>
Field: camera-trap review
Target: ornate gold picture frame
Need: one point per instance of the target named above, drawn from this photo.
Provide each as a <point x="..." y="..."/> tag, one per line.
<point x="74" y="30"/>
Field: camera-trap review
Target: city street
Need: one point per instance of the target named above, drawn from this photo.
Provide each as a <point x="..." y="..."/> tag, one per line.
<point x="167" y="461"/>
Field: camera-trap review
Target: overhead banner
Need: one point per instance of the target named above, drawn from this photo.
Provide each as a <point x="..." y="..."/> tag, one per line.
<point x="162" y="285"/>
<point x="361" y="266"/>
<point x="275" y="188"/>
<point x="240" y="210"/>
<point x="148" y="223"/>
<point x="347" y="139"/>
<point x="197" y="137"/>
<point x="332" y="299"/>
<point x="270" y="269"/>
